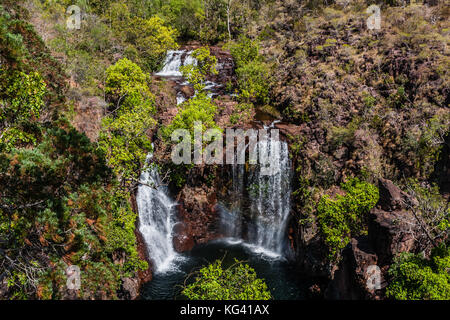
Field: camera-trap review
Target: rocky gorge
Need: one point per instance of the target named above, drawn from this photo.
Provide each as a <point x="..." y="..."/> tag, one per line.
<point x="358" y="207"/>
<point x="200" y="202"/>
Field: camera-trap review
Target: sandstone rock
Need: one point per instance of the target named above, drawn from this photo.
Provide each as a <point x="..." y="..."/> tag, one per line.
<point x="351" y="277"/>
<point x="187" y="91"/>
<point x="391" y="233"/>
<point x="289" y="129"/>
<point x="182" y="240"/>
<point x="391" y="225"/>
<point x="130" y="288"/>
<point x="391" y="197"/>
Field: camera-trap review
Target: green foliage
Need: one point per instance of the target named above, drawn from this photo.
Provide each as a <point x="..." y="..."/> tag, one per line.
<point x="253" y="82"/>
<point x="127" y="85"/>
<point x="194" y="19"/>
<point x="252" y="72"/>
<point x="414" y="277"/>
<point x="197" y="109"/>
<point x="183" y="15"/>
<point x="124" y="137"/>
<point x="137" y="29"/>
<point x="244" y="51"/>
<point x="21" y="100"/>
<point x="11" y="43"/>
<point x="200" y="108"/>
<point x="206" y="65"/>
<point x="152" y="39"/>
<point x="238" y="282"/>
<point x="344" y="216"/>
<point x="80" y="210"/>
<point x="60" y="204"/>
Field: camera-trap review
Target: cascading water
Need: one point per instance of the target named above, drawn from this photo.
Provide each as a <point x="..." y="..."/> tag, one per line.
<point x="255" y="222"/>
<point x="173" y="62"/>
<point x="156" y="208"/>
<point x="262" y="220"/>
<point x="270" y="200"/>
<point x="156" y="216"/>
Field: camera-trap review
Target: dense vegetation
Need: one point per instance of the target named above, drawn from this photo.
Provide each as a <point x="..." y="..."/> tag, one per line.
<point x="416" y="278"/>
<point x="60" y="202"/>
<point x="363" y="105"/>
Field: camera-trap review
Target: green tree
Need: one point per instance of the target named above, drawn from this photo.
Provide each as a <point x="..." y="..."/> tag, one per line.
<point x="126" y="85"/>
<point x="21" y="101"/>
<point x="184" y="15"/>
<point x="252" y="72"/>
<point x="238" y="282"/>
<point x="197" y="74"/>
<point x="11" y="43"/>
<point x="124" y="138"/>
<point x="200" y="108"/>
<point x="151" y="38"/>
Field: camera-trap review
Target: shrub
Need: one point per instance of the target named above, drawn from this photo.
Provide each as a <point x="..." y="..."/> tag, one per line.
<point x="200" y="108"/>
<point x="21" y="101"/>
<point x="206" y="65"/>
<point x="197" y="109"/>
<point x="152" y="39"/>
<point x="238" y="282"/>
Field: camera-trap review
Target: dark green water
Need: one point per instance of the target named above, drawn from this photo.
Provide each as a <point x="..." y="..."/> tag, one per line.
<point x="282" y="280"/>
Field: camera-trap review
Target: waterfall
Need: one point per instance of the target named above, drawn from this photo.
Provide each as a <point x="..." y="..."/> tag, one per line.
<point x="261" y="222"/>
<point x="171" y="69"/>
<point x="156" y="208"/>
<point x="172" y="64"/>
<point x="156" y="217"/>
<point x="270" y="200"/>
<point x="174" y="61"/>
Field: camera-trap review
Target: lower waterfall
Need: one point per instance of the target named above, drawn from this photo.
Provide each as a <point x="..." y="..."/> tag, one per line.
<point x="156" y="217"/>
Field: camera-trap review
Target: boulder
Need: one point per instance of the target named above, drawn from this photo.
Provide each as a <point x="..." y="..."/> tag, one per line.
<point x="350" y="281"/>
<point x="391" y="197"/>
<point x="391" y="225"/>
<point x="182" y="240"/>
<point x="289" y="130"/>
<point x="391" y="230"/>
<point x="391" y="233"/>
<point x="130" y="288"/>
<point x="197" y="212"/>
<point x="187" y="91"/>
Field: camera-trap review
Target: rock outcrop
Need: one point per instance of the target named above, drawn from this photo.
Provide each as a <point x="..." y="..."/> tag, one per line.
<point x="390" y="232"/>
<point x="351" y="278"/>
<point x="197" y="215"/>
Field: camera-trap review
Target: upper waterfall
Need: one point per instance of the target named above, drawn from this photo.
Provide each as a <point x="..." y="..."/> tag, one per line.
<point x="173" y="62"/>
